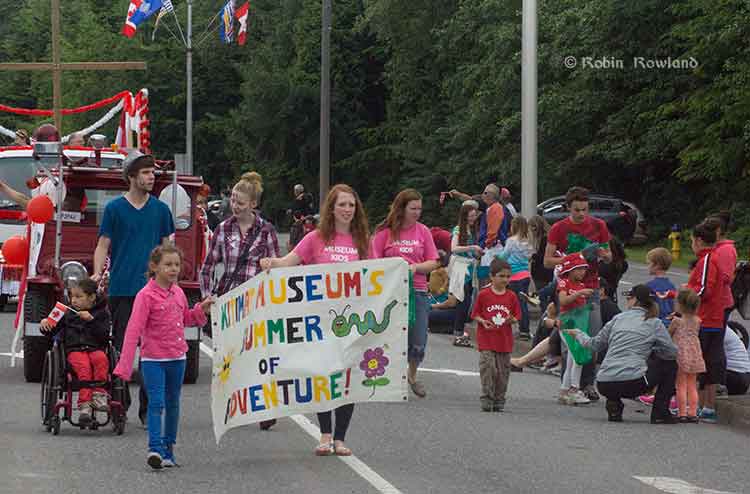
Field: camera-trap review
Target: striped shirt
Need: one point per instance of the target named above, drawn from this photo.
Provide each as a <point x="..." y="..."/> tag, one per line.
<point x="228" y="244"/>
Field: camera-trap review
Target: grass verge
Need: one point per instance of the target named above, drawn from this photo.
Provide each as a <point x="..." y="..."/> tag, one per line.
<point x="637" y="253"/>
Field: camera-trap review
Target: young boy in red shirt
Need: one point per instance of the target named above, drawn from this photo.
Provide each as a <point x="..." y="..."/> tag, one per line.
<point x="495" y="310"/>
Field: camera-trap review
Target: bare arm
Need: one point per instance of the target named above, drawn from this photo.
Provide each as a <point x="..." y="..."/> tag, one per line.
<point x="449" y="303"/>
<point x="426" y="267"/>
<point x="550" y="259"/>
<point x="15" y="196"/>
<point x="100" y="256"/>
<point x="291" y="259"/>
<point x="455" y="194"/>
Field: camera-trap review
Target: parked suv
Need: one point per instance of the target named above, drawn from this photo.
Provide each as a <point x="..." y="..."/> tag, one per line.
<point x="623" y="219"/>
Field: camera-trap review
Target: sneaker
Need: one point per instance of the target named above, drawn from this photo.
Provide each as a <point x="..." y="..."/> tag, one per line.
<point x="154" y="460"/>
<point x="562" y="398"/>
<point x="614" y="411"/>
<point x="524" y="336"/>
<point x="498" y="406"/>
<point x="100" y="402"/>
<point x="646" y="399"/>
<point x="556" y="371"/>
<point x="670" y="419"/>
<point x="168" y="460"/>
<point x="486" y="404"/>
<point x="674" y="408"/>
<point x="84" y="415"/>
<point x="463" y="341"/>
<point x="576" y="397"/>
<point x="708" y="416"/>
<point x="591" y="393"/>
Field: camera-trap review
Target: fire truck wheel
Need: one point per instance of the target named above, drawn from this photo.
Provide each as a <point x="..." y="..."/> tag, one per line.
<point x="193" y="361"/>
<point x="34" y="350"/>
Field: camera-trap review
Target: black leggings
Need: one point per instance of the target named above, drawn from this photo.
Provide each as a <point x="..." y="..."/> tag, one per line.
<point x="660" y="373"/>
<point x="462" y="311"/>
<point x="343" y="417"/>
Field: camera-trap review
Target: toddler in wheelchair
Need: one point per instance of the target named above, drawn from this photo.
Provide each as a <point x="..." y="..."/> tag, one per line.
<point x="85" y="335"/>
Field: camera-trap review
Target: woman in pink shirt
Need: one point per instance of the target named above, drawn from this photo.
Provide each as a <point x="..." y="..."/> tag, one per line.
<point x="341" y="236"/>
<point x="160" y="314"/>
<point x="402" y="235"/>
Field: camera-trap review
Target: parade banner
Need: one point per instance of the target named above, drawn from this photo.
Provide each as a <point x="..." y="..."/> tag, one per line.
<point x="309" y="339"/>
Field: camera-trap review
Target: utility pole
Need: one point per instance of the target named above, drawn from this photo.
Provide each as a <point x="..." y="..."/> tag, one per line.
<point x="325" y="100"/>
<point x="189" y="75"/>
<point x="529" y="186"/>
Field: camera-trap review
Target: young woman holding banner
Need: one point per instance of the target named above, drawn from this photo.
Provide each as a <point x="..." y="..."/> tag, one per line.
<point x="239" y="243"/>
<point x="402" y="235"/>
<point x="341" y="236"/>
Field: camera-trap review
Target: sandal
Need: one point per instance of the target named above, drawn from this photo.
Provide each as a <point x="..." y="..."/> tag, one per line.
<point x="342" y="450"/>
<point x="324" y="449"/>
<point x="418" y="389"/>
<point x="463" y="341"/>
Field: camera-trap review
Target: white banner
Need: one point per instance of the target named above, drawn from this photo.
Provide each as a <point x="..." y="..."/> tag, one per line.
<point x="309" y="339"/>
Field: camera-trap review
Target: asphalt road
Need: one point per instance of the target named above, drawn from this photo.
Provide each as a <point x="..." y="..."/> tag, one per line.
<point x="441" y="444"/>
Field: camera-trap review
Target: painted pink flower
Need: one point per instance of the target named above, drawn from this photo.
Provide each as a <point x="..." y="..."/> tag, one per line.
<point x="374" y="362"/>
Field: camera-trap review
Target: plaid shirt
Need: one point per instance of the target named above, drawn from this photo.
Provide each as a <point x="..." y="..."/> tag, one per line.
<point x="228" y="244"/>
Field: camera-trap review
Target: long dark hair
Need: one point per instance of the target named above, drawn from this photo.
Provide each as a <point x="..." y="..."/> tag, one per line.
<point x="395" y="219"/>
<point x="464" y="228"/>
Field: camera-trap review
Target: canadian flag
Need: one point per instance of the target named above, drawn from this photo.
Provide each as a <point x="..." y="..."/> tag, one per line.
<point x="241" y="15"/>
<point x="129" y="28"/>
<point x="57" y="313"/>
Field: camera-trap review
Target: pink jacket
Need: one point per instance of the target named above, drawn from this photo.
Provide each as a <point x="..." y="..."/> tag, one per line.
<point x="726" y="259"/>
<point x="158" y="321"/>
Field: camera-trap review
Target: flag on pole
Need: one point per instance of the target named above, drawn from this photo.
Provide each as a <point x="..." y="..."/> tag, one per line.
<point x="166" y="8"/>
<point x="57" y="313"/>
<point x="241" y="15"/>
<point x="139" y="11"/>
<point x="226" y="26"/>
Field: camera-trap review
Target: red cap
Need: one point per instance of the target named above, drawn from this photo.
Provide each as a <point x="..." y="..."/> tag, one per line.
<point x="504" y="193"/>
<point x="571" y="262"/>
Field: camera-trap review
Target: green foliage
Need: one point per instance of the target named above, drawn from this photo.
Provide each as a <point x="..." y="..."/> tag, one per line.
<point x="428" y="90"/>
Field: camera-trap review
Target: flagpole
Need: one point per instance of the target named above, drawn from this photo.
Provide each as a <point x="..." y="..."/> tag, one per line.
<point x="189" y="70"/>
<point x="325" y="99"/>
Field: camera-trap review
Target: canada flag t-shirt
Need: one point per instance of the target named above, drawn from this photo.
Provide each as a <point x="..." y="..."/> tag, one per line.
<point x="496" y="308"/>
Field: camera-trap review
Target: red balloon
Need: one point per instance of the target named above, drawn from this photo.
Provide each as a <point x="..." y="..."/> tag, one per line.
<point x="40" y="209"/>
<point x="16" y="250"/>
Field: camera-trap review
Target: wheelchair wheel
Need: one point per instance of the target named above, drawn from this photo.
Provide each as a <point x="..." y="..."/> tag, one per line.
<point x="47" y="395"/>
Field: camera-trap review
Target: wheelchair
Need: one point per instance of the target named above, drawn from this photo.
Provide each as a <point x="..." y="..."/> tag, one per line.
<point x="59" y="385"/>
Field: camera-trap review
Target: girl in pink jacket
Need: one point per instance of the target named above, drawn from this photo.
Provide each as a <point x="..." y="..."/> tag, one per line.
<point x="160" y="314"/>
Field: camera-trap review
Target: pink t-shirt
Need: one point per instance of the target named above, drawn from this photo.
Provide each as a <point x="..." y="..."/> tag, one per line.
<point x="414" y="245"/>
<point x="313" y="250"/>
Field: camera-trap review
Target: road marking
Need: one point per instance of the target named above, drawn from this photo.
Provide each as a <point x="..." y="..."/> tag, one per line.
<point x="450" y="371"/>
<point x="359" y="467"/>
<point x="676" y="486"/>
<point x="17" y="355"/>
<point x="623" y="282"/>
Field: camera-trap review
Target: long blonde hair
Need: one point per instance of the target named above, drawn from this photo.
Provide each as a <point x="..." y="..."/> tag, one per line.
<point x="250" y="184"/>
<point x="395" y="219"/>
<point x="360" y="229"/>
<point x="519" y="227"/>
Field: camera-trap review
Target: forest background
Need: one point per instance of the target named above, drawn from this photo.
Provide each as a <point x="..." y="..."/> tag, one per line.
<point x="429" y="91"/>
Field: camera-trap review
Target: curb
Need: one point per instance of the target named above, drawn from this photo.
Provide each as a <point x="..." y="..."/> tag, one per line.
<point x="734" y="411"/>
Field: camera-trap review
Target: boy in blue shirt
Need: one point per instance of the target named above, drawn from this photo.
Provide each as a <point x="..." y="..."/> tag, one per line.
<point x="659" y="260"/>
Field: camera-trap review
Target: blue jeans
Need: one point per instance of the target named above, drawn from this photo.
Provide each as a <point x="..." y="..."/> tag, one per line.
<point x="163" y="381"/>
<point x="522" y="286"/>
<point x="418" y="332"/>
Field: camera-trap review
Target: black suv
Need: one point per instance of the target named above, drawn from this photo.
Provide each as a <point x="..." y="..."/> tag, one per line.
<point x="623" y="219"/>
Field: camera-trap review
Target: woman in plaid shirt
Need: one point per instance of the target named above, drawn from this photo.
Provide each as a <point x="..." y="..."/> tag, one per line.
<point x="239" y="243"/>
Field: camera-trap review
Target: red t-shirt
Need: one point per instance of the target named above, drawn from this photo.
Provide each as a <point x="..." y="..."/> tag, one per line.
<point x="442" y="238"/>
<point x="567" y="285"/>
<point x="496" y="307"/>
<point x="569" y="238"/>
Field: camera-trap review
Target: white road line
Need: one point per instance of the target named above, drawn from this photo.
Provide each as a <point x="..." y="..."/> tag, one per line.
<point x="676" y="486"/>
<point x="359" y="467"/>
<point x="450" y="371"/>
<point x="623" y="282"/>
<point x="6" y="354"/>
<point x="353" y="462"/>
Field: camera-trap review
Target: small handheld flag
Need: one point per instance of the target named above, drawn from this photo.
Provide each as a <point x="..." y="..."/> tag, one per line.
<point x="58" y="311"/>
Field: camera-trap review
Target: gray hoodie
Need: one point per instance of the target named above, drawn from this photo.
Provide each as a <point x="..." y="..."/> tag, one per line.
<point x="629" y="339"/>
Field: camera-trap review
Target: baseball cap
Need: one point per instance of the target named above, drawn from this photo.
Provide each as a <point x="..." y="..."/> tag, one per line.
<point x="134" y="161"/>
<point x="642" y="293"/>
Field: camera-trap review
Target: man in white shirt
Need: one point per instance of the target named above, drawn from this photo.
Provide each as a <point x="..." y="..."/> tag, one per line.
<point x="738" y="364"/>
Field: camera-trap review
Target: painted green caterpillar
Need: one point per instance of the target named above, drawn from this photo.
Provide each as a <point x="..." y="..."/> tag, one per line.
<point x="342" y="327"/>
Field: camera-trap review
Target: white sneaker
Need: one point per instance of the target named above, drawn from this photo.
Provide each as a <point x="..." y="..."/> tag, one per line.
<point x="577" y="398"/>
<point x="100" y="402"/>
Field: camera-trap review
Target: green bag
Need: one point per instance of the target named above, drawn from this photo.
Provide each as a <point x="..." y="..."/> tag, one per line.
<point x="577" y="318"/>
<point x="412" y="301"/>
